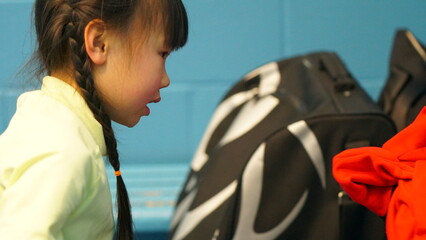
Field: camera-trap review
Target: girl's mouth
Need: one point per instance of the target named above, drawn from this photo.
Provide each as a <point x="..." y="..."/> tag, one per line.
<point x="156" y="100"/>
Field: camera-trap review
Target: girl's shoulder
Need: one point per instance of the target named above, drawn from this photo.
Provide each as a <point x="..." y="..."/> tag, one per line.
<point x="41" y="127"/>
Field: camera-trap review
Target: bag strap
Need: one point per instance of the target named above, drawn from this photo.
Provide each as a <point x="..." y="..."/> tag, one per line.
<point x="403" y="104"/>
<point x="397" y="81"/>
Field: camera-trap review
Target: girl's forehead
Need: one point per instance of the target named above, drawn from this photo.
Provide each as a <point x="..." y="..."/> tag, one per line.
<point x="147" y="29"/>
<point x="156" y="39"/>
<point x="162" y="21"/>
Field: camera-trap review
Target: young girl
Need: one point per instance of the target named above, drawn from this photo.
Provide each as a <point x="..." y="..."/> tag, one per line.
<point x="104" y="60"/>
<point x="390" y="181"/>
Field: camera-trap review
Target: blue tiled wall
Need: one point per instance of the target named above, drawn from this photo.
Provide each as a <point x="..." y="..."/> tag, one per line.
<point x="228" y="39"/>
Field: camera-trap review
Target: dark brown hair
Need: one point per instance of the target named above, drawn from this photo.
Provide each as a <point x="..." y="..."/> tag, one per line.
<point x="60" y="28"/>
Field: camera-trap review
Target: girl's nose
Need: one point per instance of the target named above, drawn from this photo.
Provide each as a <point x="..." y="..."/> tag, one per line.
<point x="165" y="82"/>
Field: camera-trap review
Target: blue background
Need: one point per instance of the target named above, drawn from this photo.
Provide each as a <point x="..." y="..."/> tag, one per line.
<point x="228" y="38"/>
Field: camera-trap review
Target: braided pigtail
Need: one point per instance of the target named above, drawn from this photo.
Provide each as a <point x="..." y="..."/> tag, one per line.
<point x="84" y="79"/>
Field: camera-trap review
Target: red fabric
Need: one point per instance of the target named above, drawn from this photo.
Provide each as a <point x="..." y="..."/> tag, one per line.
<point x="390" y="181"/>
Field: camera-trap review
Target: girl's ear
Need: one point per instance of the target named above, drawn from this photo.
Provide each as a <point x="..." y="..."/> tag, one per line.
<point x="94" y="39"/>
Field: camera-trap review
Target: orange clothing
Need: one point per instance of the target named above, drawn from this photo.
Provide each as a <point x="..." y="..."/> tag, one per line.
<point x="390" y="181"/>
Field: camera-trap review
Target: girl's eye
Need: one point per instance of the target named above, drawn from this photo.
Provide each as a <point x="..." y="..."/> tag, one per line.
<point x="165" y="54"/>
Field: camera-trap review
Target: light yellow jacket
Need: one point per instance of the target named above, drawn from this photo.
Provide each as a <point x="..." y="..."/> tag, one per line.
<point x="53" y="183"/>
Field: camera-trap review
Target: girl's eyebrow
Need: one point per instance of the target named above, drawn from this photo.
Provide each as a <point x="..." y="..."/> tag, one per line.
<point x="167" y="47"/>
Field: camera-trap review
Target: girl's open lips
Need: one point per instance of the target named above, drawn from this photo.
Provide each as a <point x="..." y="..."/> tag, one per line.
<point x="156" y="100"/>
<point x="147" y="110"/>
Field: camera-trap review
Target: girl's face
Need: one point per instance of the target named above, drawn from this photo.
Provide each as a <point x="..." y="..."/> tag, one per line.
<point x="131" y="79"/>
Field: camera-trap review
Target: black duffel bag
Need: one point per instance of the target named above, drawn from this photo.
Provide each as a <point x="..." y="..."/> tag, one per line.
<point x="263" y="168"/>
<point x="404" y="93"/>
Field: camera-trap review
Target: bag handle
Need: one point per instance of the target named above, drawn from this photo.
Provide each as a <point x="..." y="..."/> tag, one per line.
<point x="343" y="81"/>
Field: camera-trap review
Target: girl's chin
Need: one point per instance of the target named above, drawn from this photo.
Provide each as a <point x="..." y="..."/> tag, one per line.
<point x="129" y="122"/>
<point x="146" y="111"/>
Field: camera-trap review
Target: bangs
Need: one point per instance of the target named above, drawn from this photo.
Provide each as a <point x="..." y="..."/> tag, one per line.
<point x="166" y="16"/>
<point x="175" y="22"/>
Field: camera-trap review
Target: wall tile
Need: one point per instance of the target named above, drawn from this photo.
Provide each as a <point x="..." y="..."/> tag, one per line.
<point x="361" y="32"/>
<point x="161" y="137"/>
<point x="16" y="40"/>
<point x="227" y="38"/>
